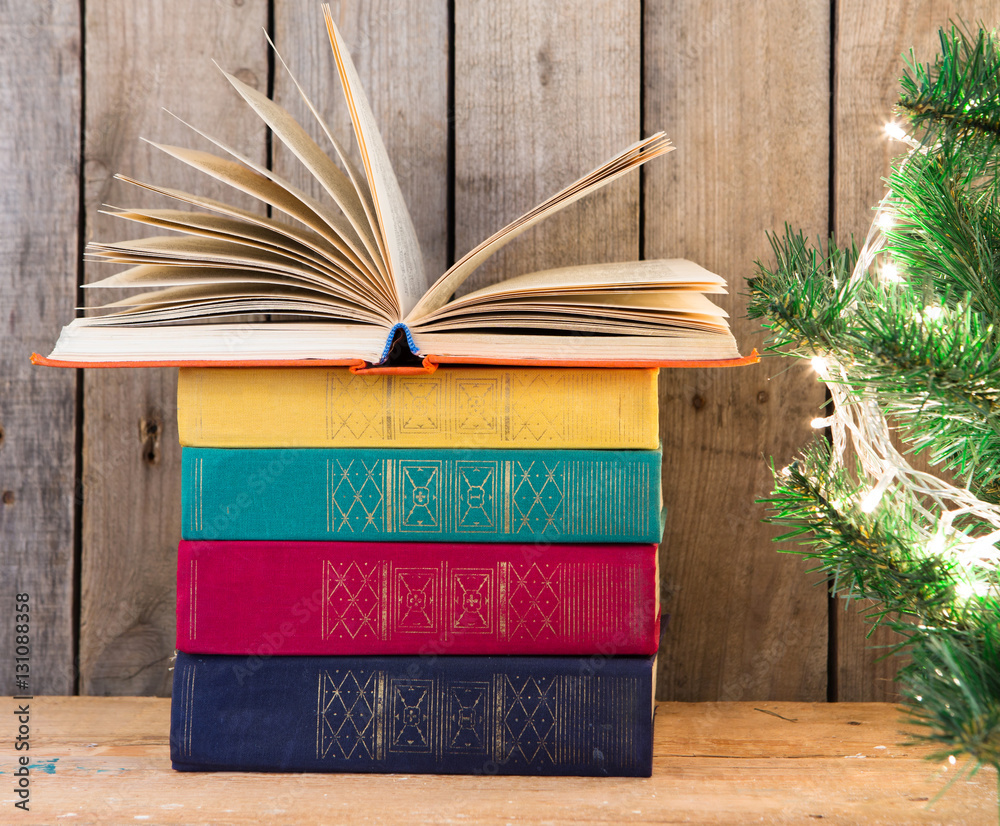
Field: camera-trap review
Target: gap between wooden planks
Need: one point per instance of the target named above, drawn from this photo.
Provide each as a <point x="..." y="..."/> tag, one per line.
<point x="105" y="760"/>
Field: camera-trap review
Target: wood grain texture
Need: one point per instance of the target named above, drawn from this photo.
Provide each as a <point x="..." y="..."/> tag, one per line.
<point x="870" y="39"/>
<point x="40" y="96"/>
<point x="401" y="52"/>
<point x="743" y="92"/>
<point x="102" y="760"/>
<point x="544" y="92"/>
<point x="143" y="55"/>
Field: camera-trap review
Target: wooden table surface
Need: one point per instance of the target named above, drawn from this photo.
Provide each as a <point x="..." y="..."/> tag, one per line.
<point x="105" y="760"/>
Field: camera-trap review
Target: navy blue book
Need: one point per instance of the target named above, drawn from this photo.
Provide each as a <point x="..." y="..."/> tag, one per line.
<point x="428" y="715"/>
<point x="421" y="495"/>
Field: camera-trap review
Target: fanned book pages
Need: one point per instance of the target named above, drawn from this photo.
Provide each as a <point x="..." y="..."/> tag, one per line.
<point x="344" y="278"/>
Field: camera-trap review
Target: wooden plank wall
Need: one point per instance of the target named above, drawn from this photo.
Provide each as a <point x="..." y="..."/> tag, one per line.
<point x="744" y="110"/>
<point x="141" y="60"/>
<point x="41" y="96"/>
<point x="776" y="112"/>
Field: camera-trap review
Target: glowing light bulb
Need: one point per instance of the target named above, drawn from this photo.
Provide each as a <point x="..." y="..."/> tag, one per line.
<point x="885" y="220"/>
<point x="967" y="590"/>
<point x="936" y="545"/>
<point x="895" y="131"/>
<point x="819" y="365"/>
<point x="874" y="496"/>
<point x="819" y="423"/>
<point x="951" y="759"/>
<point x="889" y="273"/>
<point x="933" y="313"/>
<point x="870" y="502"/>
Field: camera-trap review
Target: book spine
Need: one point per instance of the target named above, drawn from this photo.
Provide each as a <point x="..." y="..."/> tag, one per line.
<point x="453" y="407"/>
<point x="421" y="496"/>
<point x="349" y="598"/>
<point x="450" y="715"/>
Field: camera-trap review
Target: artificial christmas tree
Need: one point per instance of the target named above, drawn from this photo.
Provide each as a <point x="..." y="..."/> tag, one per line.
<point x="905" y="331"/>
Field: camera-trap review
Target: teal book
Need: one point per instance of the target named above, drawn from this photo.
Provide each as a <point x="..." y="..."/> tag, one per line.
<point x="422" y="495"/>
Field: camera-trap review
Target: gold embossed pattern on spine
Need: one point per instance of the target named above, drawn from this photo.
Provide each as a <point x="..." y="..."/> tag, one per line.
<point x="362" y="716"/>
<point x="193" y="600"/>
<point x="454" y="407"/>
<point x="196" y="489"/>
<point x="186" y="699"/>
<point x="381" y="600"/>
<point x="486" y="496"/>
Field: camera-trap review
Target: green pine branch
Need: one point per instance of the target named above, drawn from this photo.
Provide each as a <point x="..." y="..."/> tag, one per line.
<point x="937" y="375"/>
<point x="953" y="680"/>
<point x="953" y="686"/>
<point x="959" y="94"/>
<point x="802" y="299"/>
<point x="945" y="236"/>
<point x="919" y="334"/>
<point x="866" y="555"/>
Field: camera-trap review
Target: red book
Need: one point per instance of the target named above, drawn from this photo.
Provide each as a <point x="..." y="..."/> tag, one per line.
<point x="268" y="598"/>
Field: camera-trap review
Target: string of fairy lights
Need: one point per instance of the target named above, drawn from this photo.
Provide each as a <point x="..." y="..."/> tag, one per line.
<point x="857" y="420"/>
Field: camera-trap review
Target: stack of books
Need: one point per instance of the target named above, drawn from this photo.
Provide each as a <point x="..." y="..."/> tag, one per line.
<point x="392" y="562"/>
<point x="453" y="572"/>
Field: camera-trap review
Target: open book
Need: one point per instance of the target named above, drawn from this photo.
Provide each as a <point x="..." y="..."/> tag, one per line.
<point x="343" y="280"/>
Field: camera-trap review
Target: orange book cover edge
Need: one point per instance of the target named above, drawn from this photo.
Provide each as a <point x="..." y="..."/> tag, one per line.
<point x="430" y="363"/>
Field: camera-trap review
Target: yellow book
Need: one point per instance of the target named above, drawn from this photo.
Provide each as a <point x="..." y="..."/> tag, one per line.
<point x="497" y="407"/>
